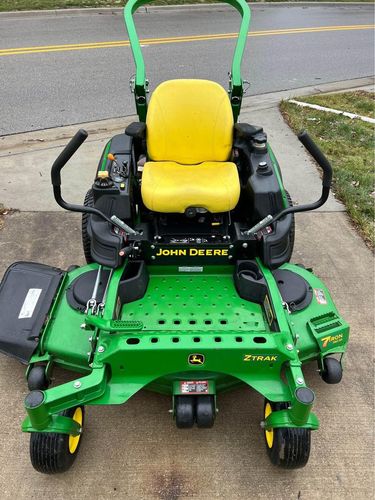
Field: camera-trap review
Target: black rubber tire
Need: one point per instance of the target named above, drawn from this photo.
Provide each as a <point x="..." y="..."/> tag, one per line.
<point x="71" y="268"/>
<point x="37" y="379"/>
<point x="332" y="370"/>
<point x="291" y="445"/>
<point x="184" y="411"/>
<point x="86" y="242"/>
<point x="293" y="225"/>
<point x="49" y="452"/>
<point x="205" y="411"/>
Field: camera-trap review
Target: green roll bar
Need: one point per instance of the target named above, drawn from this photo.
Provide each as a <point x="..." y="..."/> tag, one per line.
<point x="141" y="83"/>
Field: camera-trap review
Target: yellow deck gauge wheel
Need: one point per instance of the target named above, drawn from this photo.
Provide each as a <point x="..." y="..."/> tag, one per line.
<point x="74" y="440"/>
<point x="269" y="433"/>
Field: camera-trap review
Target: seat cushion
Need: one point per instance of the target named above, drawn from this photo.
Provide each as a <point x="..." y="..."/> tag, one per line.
<point x="170" y="187"/>
<point x="189" y="121"/>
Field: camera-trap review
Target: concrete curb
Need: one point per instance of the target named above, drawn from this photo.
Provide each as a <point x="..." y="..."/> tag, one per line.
<point x="156" y="8"/>
<point x="264" y="101"/>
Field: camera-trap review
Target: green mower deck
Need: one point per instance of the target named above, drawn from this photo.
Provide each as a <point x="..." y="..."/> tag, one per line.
<point x="191" y="326"/>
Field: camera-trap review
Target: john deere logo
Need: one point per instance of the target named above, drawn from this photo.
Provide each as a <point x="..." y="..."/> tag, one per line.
<point x="196" y="359"/>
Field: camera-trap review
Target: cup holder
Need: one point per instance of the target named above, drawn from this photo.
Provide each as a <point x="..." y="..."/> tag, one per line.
<point x="249" y="281"/>
<point x="248" y="274"/>
<point x="134" y="282"/>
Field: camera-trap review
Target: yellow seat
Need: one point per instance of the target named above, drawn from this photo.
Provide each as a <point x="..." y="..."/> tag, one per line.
<point x="172" y="187"/>
<point x="189" y="142"/>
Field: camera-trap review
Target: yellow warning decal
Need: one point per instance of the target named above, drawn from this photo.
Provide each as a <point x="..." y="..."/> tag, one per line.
<point x="268" y="310"/>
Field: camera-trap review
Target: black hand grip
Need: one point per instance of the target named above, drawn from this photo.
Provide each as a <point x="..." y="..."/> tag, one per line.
<point x="65" y="155"/>
<point x="318" y="156"/>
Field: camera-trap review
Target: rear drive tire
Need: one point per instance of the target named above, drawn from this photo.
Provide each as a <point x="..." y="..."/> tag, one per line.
<point x="86" y="242"/>
<point x="292" y="233"/>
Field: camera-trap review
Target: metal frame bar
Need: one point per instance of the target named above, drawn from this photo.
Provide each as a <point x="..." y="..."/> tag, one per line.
<point x="141" y="83"/>
<point x="92" y="389"/>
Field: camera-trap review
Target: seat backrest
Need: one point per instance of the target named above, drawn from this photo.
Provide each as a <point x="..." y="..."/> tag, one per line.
<point x="189" y="121"/>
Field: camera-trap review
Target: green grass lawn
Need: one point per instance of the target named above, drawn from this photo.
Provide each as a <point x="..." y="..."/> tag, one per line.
<point x="7" y="5"/>
<point x="348" y="144"/>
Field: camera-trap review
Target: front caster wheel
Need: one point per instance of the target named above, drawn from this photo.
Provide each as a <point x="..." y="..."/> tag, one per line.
<point x="286" y="447"/>
<point x="51" y="453"/>
<point x="332" y="370"/>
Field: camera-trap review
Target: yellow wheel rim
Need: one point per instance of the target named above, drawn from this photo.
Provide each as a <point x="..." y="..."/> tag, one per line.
<point x="269" y="433"/>
<point x="74" y="440"/>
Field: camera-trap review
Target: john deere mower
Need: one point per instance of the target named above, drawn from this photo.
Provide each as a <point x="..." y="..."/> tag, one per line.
<point x="188" y="290"/>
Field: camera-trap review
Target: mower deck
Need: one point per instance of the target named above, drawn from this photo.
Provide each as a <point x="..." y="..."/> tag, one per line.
<point x="187" y="326"/>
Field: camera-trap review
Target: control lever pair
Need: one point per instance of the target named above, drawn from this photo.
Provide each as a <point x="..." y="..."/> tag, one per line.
<point x="118" y="172"/>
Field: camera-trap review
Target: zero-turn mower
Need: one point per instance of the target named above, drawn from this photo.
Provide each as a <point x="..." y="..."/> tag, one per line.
<point x="188" y="290"/>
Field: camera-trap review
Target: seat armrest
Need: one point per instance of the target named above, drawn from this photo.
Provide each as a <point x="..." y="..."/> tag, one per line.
<point x="136" y="130"/>
<point x="246" y="131"/>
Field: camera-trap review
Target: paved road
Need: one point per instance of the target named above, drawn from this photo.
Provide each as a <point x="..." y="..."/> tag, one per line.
<point x="47" y="89"/>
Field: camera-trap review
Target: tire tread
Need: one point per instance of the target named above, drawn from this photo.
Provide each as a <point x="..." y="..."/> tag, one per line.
<point x="86" y="242"/>
<point x="291" y="445"/>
